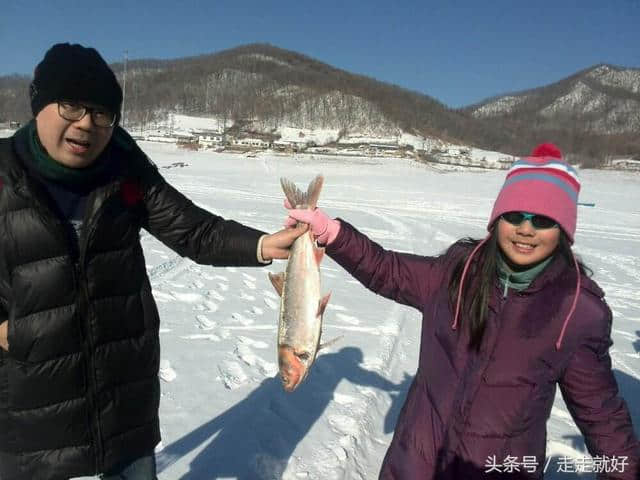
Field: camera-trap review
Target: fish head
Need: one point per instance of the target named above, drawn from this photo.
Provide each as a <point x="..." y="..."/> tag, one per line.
<point x="294" y="366"/>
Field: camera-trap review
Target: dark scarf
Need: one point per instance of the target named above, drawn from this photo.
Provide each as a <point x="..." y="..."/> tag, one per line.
<point x="75" y="179"/>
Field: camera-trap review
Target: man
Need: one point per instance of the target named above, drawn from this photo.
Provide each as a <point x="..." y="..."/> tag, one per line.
<point x="79" y="345"/>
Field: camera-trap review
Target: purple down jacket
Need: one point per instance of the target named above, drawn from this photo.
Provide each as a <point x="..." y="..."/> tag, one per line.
<point x="467" y="410"/>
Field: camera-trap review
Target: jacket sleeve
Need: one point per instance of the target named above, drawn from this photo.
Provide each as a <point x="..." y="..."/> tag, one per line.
<point x="406" y="278"/>
<point x="192" y="231"/>
<point x="590" y="391"/>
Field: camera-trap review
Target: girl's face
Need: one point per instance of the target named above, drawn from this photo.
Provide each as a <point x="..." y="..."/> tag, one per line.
<point x="524" y="245"/>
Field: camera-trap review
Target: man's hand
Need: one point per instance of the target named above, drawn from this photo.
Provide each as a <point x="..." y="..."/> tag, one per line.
<point x="276" y="245"/>
<point x="4" y="335"/>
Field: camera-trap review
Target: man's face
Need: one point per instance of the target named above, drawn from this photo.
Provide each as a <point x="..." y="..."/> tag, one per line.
<point x="75" y="144"/>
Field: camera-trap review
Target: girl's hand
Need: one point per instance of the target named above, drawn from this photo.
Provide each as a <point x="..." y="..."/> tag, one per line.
<point x="324" y="229"/>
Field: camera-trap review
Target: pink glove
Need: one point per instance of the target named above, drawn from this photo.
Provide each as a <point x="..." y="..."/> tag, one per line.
<point x="324" y="229"/>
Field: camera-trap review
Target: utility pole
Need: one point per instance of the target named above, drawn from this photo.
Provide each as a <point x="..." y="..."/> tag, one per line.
<point x="124" y="85"/>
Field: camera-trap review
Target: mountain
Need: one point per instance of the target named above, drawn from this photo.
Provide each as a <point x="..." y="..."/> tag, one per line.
<point x="599" y="106"/>
<point x="261" y="88"/>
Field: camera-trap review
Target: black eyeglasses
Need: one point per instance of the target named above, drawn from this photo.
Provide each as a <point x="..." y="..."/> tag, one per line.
<point x="539" y="222"/>
<point x="76" y="111"/>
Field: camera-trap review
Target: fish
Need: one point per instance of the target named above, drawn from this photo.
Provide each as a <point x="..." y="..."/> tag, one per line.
<point x="301" y="304"/>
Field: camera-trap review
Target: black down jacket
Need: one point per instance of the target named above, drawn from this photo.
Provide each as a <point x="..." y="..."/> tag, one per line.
<point x="79" y="388"/>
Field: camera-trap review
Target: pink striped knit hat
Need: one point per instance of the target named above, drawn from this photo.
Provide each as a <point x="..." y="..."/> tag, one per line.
<point x="543" y="184"/>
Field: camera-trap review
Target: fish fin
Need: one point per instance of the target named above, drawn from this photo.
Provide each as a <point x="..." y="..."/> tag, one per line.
<point x="322" y="304"/>
<point x="330" y="342"/>
<point x="296" y="198"/>
<point x="277" y="280"/>
<point x="299" y="199"/>
<point x="319" y="254"/>
<point x="313" y="191"/>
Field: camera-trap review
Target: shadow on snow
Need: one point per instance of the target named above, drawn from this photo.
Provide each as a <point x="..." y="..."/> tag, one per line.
<point x="255" y="438"/>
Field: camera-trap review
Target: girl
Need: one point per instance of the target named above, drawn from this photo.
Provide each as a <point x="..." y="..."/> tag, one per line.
<point x="505" y="320"/>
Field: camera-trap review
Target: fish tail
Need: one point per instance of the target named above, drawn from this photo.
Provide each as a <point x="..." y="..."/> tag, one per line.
<point x="300" y="199"/>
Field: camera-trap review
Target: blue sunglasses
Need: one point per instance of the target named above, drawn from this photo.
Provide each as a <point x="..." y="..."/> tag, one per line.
<point x="539" y="222"/>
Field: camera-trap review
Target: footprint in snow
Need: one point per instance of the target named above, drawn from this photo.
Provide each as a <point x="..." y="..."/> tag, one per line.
<point x="244" y="352"/>
<point x="167" y="373"/>
<point x="241" y="319"/>
<point x="232" y="374"/>
<point x="197" y="284"/>
<point x="210" y="306"/>
<point x="257" y="310"/>
<point x="215" y="295"/>
<point x="249" y="284"/>
<point x="204" y="323"/>
<point x="340" y="453"/>
<point x="207" y="276"/>
<point x="220" y="277"/>
<point x="246" y="296"/>
<point x="271" y="303"/>
<point x="249" y="277"/>
<point x="223" y="286"/>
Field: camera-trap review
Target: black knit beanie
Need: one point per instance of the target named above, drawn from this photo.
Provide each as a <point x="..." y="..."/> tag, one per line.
<point x="74" y="73"/>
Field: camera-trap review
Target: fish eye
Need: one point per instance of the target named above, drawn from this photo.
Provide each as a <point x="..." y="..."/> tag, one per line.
<point x="304" y="356"/>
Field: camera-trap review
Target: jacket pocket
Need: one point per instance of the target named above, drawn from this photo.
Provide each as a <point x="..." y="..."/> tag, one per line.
<point x="504" y="405"/>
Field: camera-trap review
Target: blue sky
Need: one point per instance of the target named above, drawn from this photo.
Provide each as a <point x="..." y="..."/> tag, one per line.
<point x="458" y="52"/>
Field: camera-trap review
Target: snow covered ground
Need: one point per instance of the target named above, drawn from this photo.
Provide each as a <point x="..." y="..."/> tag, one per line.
<point x="223" y="411"/>
<point x="224" y="414"/>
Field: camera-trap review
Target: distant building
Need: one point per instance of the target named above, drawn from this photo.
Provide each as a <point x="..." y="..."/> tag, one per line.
<point x="625" y="164"/>
<point x="210" y="139"/>
<point x="251" y="142"/>
<point x="384" y="146"/>
<point x="175" y="138"/>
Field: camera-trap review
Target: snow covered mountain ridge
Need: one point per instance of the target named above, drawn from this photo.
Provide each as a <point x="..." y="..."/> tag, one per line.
<point x="263" y="89"/>
<point x="603" y="99"/>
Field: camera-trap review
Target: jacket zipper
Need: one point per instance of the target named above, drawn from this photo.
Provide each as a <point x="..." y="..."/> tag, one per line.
<point x="88" y="227"/>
